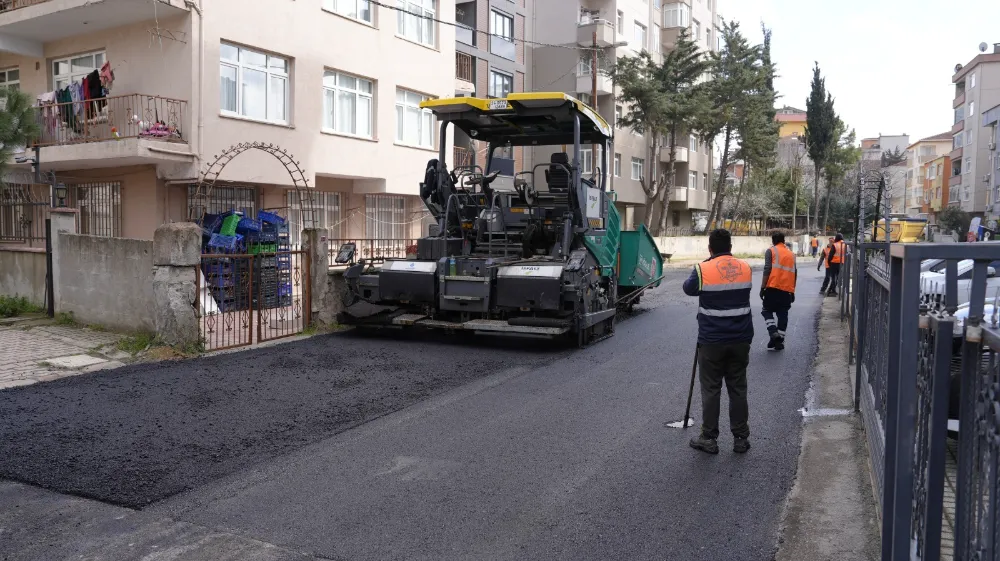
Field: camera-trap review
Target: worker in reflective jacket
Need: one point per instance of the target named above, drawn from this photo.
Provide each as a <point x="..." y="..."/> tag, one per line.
<point x="836" y="253"/>
<point x="777" y="290"/>
<point x="722" y="284"/>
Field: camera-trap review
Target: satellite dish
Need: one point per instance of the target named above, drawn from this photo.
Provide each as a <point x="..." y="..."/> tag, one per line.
<point x="958" y="67"/>
<point x="982" y="47"/>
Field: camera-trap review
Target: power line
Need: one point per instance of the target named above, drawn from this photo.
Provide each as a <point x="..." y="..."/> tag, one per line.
<point x="459" y="25"/>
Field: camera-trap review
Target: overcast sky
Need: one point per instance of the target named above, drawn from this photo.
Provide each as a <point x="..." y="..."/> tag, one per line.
<point x="888" y="63"/>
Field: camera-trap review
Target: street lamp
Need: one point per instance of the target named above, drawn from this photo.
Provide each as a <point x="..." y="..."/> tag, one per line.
<point x="61" y="194"/>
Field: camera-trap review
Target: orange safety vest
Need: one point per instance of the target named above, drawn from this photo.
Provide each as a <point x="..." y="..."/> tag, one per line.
<point x="815" y="242"/>
<point x="841" y="249"/>
<point x="725" y="287"/>
<point x="783" y="269"/>
<point x="826" y="251"/>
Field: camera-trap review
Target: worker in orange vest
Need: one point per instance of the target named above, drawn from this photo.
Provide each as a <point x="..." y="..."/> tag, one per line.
<point x="777" y="290"/>
<point x="815" y="246"/>
<point x="836" y="253"/>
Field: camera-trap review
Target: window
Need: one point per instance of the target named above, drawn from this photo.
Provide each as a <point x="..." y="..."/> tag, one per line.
<point x="360" y="10"/>
<point x="972" y="109"/>
<point x="328" y="212"/>
<point x="415" y="20"/>
<point x="708" y="38"/>
<point x="675" y="218"/>
<point x="502" y="25"/>
<point x="972" y="80"/>
<point x="693" y="143"/>
<point x="347" y="104"/>
<point x="956" y="141"/>
<point x="618" y="165"/>
<point x="100" y="207"/>
<point x="656" y="39"/>
<point x="639" y="33"/>
<point x="618" y="115"/>
<point x="385" y="217"/>
<point x="585" y="98"/>
<point x="262" y="93"/>
<point x="676" y="15"/>
<point x="414" y="126"/>
<point x="968" y="165"/>
<point x="10" y="78"/>
<point x="620" y="22"/>
<point x="695" y="30"/>
<point x="500" y="84"/>
<point x="587" y="159"/>
<point x="968" y="138"/>
<point x="68" y="70"/>
<point x="692" y="180"/>
<point x="637" y="165"/>
<point x="704" y="181"/>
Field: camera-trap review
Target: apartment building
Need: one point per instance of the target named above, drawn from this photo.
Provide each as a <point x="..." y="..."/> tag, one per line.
<point x="336" y="83"/>
<point x="918" y="155"/>
<point x="936" y="174"/>
<point x="977" y="87"/>
<point x="991" y="121"/>
<point x="491" y="60"/>
<point x="625" y="28"/>
<point x="872" y="150"/>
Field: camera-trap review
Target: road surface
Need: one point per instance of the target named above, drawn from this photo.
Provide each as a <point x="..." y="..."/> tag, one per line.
<point x="340" y="447"/>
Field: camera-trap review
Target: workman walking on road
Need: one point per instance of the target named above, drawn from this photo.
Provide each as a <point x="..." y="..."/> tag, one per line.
<point x="814" y="244"/>
<point x="777" y="289"/>
<point x="722" y="284"/>
<point x="836" y="253"/>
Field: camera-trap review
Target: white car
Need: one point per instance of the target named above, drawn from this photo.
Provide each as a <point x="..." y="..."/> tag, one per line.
<point x="932" y="284"/>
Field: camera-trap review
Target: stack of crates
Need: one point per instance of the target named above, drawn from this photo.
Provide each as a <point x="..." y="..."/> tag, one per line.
<point x="223" y="286"/>
<point x="272" y="262"/>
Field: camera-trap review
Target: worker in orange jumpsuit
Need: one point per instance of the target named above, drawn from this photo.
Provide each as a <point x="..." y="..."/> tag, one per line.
<point x="777" y="290"/>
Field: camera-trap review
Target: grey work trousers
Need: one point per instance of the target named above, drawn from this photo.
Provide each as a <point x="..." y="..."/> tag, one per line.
<point x="718" y="363"/>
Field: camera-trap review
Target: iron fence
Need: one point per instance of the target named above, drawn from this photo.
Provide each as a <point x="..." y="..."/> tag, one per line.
<point x="923" y="370"/>
<point x="374" y="250"/>
<point x="111" y="118"/>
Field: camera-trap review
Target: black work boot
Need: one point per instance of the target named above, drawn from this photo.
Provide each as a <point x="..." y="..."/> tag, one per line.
<point x="741" y="445"/>
<point x="772" y="345"/>
<point x="709" y="445"/>
<point x="780" y="345"/>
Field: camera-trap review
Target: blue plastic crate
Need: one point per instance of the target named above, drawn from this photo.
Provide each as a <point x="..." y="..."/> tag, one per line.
<point x="264" y="236"/>
<point x="247" y="225"/>
<point x="211" y="223"/>
<point x="227" y="243"/>
<point x="285" y="289"/>
<point x="219" y="268"/>
<point x="270" y="217"/>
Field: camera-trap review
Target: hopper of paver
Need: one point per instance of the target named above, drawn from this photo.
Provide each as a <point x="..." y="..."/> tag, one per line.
<point x="640" y="265"/>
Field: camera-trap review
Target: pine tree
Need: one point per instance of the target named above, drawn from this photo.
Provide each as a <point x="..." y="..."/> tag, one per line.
<point x="844" y="156"/>
<point x="821" y="122"/>
<point x="18" y="123"/>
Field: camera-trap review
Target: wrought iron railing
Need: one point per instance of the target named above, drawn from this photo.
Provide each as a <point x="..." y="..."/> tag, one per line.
<point x="909" y="368"/>
<point x="112" y="118"/>
<point x="374" y="250"/>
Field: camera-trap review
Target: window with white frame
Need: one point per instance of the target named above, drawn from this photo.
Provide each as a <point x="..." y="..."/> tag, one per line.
<point x="253" y="84"/>
<point x="676" y="15"/>
<point x="972" y="80"/>
<point x="639" y="33"/>
<point x="415" y="20"/>
<point x="618" y="115"/>
<point x="587" y="159"/>
<point x="385" y="217"/>
<point x="620" y="22"/>
<point x="719" y="39"/>
<point x="360" y="10"/>
<point x="502" y="25"/>
<point x="501" y="84"/>
<point x="695" y="30"/>
<point x="637" y="165"/>
<point x="692" y="180"/>
<point x="957" y="141"/>
<point x="704" y="181"/>
<point x="618" y="165"/>
<point x="968" y="165"/>
<point x="693" y="143"/>
<point x="347" y="104"/>
<point x="708" y="37"/>
<point x="972" y="109"/>
<point x="328" y="211"/>
<point x="10" y="78"/>
<point x="67" y="70"/>
<point x="655" y="44"/>
<point x="969" y="136"/>
<point x="414" y="126"/>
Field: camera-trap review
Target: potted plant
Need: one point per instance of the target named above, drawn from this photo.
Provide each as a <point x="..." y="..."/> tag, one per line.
<point x="411" y="251"/>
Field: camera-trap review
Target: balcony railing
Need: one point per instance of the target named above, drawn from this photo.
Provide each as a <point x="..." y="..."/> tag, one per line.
<point x="462" y="157"/>
<point x="463" y="67"/>
<point x="465" y="35"/>
<point x="112" y="118"/>
<point x="8" y="5"/>
<point x="502" y="47"/>
<point x="374" y="250"/>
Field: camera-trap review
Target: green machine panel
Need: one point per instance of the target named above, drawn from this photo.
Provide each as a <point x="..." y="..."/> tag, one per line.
<point x="640" y="260"/>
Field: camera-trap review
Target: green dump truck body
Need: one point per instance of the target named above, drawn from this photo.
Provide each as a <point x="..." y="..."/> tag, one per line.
<point x="640" y="262"/>
<point x="605" y="248"/>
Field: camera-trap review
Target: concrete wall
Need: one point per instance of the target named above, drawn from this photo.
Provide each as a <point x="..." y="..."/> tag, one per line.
<point x="22" y="273"/>
<point x="106" y="281"/>
<point x="697" y="246"/>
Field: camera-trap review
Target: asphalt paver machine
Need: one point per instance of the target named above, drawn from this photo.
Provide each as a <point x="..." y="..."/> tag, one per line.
<point x="541" y="257"/>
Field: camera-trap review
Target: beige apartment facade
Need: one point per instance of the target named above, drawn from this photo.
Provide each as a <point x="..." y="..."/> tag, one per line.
<point x="625" y="28"/>
<point x="918" y="155"/>
<point x="335" y="84"/>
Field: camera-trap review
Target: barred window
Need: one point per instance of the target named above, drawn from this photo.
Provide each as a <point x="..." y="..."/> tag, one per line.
<point x="223" y="198"/>
<point x="100" y="206"/>
<point x="328" y="211"/>
<point x="385" y="217"/>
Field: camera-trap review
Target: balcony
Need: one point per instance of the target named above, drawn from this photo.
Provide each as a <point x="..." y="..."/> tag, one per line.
<point x="692" y="199"/>
<point x="955" y="181"/>
<point x="465" y="35"/>
<point x="959" y="100"/>
<point x="600" y="29"/>
<point x="502" y="47"/>
<point x="465" y="76"/>
<point x="681" y="156"/>
<point x="924" y="158"/>
<point x="958" y="127"/>
<point x="955" y="154"/>
<point x="585" y="84"/>
<point x="128" y="129"/>
<point x="25" y="25"/>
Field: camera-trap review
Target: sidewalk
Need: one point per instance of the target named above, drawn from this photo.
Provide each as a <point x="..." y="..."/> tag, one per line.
<point x="31" y="353"/>
<point x="830" y="514"/>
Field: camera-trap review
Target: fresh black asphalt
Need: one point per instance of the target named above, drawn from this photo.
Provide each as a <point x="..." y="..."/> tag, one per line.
<point x="496" y="451"/>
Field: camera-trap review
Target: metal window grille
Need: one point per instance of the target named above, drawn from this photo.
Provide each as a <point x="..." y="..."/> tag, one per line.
<point x="328" y="210"/>
<point x="227" y="197"/>
<point x="385" y="217"/>
<point x="100" y="206"/>
<point x="22" y="213"/>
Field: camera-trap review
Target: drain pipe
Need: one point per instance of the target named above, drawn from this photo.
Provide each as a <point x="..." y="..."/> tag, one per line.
<point x="201" y="77"/>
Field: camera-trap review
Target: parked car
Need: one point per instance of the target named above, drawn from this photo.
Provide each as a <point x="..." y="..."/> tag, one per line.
<point x="932" y="284"/>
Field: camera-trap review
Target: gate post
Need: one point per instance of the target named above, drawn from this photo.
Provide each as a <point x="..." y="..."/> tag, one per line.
<point x="176" y="255"/>
<point x="321" y="298"/>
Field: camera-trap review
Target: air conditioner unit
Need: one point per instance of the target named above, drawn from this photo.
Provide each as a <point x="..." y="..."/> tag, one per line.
<point x="992" y="145"/>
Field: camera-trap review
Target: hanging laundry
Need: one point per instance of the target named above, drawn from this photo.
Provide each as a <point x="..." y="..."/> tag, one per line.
<point x="95" y="91"/>
<point x="107" y="76"/>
